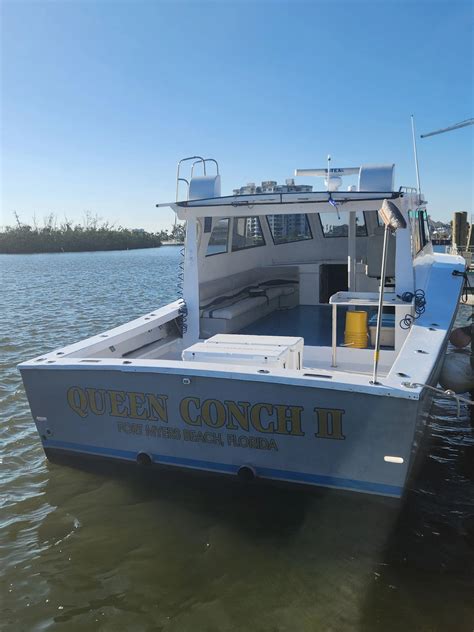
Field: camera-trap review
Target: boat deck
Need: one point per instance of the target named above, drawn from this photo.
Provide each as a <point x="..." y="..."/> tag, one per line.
<point x="314" y="324"/>
<point x="311" y="322"/>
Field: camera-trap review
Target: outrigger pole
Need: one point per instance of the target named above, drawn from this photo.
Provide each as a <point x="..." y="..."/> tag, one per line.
<point x="415" y="151"/>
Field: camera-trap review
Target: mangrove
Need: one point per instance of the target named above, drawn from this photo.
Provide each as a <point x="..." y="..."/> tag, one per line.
<point x="91" y="235"/>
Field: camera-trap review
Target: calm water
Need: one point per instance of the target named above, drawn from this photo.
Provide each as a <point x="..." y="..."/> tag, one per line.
<point x="112" y="551"/>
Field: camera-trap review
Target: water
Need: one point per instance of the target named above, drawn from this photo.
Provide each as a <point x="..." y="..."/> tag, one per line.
<point x="109" y="550"/>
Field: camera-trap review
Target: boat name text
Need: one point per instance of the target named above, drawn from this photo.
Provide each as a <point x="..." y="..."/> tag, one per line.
<point x="206" y="414"/>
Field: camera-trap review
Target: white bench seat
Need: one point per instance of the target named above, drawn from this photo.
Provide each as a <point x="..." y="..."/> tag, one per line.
<point x="228" y="304"/>
<point x="237" y="306"/>
<point x="235" y="309"/>
<point x="279" y="290"/>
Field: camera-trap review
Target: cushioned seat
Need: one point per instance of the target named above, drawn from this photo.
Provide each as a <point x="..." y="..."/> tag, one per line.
<point x="236" y="309"/>
<point x="281" y="290"/>
<point x="236" y="305"/>
<point x="231" y="302"/>
<point x="224" y="300"/>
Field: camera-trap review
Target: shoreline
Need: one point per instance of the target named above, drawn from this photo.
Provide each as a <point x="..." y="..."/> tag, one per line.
<point x="88" y="237"/>
<point x="66" y="252"/>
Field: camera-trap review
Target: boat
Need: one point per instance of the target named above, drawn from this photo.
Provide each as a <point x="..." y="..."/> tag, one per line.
<point x="309" y="331"/>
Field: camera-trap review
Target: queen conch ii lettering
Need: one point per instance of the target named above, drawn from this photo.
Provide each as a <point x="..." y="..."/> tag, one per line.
<point x="264" y="418"/>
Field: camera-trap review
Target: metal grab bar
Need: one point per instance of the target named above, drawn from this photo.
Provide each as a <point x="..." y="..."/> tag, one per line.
<point x="204" y="160"/>
<point x="178" y="179"/>
<point x="214" y="161"/>
<point x="197" y="160"/>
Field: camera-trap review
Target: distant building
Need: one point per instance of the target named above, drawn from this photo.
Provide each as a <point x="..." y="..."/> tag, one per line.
<point x="271" y="186"/>
<point x="287" y="226"/>
<point x="282" y="226"/>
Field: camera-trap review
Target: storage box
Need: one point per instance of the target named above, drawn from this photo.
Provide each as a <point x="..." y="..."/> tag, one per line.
<point x="260" y="356"/>
<point x="294" y="344"/>
<point x="387" y="331"/>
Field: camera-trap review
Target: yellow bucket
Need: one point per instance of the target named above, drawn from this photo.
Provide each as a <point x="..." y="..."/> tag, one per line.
<point x="355" y="334"/>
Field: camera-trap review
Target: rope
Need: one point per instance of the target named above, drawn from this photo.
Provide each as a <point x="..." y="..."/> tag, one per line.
<point x="447" y="393"/>
<point x="420" y="307"/>
<point x="466" y="289"/>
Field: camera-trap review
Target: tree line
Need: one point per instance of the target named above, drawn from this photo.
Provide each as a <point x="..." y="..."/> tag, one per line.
<point x="90" y="235"/>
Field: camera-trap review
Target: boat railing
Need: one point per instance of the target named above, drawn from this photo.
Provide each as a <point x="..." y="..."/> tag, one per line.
<point x="466" y="252"/>
<point x="458" y="250"/>
<point x="198" y="160"/>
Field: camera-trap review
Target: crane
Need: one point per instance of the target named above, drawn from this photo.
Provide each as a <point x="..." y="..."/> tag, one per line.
<point x="450" y="128"/>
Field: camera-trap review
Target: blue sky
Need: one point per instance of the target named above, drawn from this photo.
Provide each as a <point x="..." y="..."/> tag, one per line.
<point x="100" y="99"/>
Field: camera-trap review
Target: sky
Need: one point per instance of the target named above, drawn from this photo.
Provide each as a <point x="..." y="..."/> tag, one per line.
<point x="99" y="100"/>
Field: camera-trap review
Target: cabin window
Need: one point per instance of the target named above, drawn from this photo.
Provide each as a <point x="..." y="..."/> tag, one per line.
<point x="416" y="233"/>
<point x="288" y="228"/>
<point x="219" y="239"/>
<point x="337" y="224"/>
<point x="377" y="216"/>
<point x="420" y="230"/>
<point x="247" y="233"/>
<point x="374" y="218"/>
<point x="423" y="229"/>
<point x="426" y="228"/>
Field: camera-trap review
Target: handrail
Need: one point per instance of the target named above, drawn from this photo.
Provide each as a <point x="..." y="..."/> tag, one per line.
<point x="253" y="199"/>
<point x="197" y="160"/>
<point x="204" y="165"/>
<point x="215" y="162"/>
<point x="201" y="160"/>
<point x="458" y="249"/>
<point x="178" y="179"/>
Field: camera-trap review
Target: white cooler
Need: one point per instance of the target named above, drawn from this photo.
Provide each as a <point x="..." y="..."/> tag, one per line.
<point x="294" y="345"/>
<point x="274" y="356"/>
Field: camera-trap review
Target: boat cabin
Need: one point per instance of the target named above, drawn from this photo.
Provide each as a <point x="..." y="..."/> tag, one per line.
<point x="275" y="266"/>
<point x="284" y="260"/>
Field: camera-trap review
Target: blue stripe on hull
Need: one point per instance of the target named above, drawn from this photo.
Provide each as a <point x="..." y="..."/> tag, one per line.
<point x="285" y="475"/>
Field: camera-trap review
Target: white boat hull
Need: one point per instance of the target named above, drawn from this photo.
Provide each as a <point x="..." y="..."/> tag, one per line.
<point x="316" y="436"/>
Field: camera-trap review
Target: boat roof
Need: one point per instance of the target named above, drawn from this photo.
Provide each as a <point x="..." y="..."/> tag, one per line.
<point x="280" y="203"/>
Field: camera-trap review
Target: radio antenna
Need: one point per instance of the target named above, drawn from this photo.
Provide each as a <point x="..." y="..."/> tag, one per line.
<point x="416" y="154"/>
<point x="329" y="163"/>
